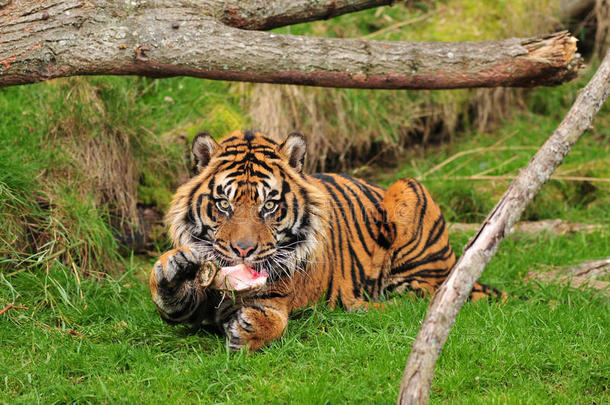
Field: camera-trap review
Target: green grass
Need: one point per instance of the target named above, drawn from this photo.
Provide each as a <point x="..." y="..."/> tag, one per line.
<point x="86" y="337"/>
<point x="111" y="345"/>
<point x="96" y="339"/>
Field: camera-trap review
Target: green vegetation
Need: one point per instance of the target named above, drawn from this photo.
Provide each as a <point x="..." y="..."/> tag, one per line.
<point x="89" y="340"/>
<point x="78" y="155"/>
<point x="101" y="340"/>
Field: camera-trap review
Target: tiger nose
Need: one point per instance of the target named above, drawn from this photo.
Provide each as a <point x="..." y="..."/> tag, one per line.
<point x="243" y="247"/>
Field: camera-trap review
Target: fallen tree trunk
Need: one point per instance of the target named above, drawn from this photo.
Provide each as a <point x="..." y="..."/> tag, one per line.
<point x="585" y="274"/>
<point x="446" y="303"/>
<point x="55" y="38"/>
<point x="554" y="226"/>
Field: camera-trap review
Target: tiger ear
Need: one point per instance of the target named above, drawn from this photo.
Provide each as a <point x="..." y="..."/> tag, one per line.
<point x="204" y="147"/>
<point x="295" y="149"/>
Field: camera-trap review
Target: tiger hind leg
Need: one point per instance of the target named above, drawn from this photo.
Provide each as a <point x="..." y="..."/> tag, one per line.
<point x="420" y="255"/>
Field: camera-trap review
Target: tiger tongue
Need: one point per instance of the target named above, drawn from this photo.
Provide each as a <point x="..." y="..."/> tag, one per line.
<point x="240" y="277"/>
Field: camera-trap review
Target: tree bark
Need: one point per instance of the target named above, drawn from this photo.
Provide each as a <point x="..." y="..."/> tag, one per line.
<point x="443" y="310"/>
<point x="552" y="226"/>
<point x="268" y="14"/>
<point x="581" y="275"/>
<point x="53" y="38"/>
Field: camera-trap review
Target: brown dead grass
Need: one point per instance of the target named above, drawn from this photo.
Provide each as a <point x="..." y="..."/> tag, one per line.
<point x="103" y="162"/>
<point x="319" y="113"/>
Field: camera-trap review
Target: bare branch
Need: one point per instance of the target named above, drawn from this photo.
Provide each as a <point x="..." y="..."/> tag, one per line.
<point x="509" y="177"/>
<point x="448" y="300"/>
<point x="585" y="274"/>
<point x="267" y="14"/>
<point x="553" y="226"/>
<point x="53" y="38"/>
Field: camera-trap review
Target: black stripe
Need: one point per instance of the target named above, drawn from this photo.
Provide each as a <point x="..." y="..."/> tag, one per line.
<point x="436" y="232"/>
<point x="443" y="254"/>
<point x="269" y="154"/>
<point x="365" y="184"/>
<point x="271" y="141"/>
<point x="416" y="239"/>
<point x="190" y="216"/>
<point x="330" y="261"/>
<point x="350" y="203"/>
<point x="230" y="139"/>
<point x="260" y="174"/>
<point x="365" y="217"/>
<point x="272" y="294"/>
<point x="337" y="249"/>
<point x="376" y="199"/>
<point x="365" y="190"/>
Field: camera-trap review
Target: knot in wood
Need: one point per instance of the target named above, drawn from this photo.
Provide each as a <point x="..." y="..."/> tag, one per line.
<point x="140" y="55"/>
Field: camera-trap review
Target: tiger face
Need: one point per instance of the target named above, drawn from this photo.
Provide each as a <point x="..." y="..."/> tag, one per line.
<point x="249" y="203"/>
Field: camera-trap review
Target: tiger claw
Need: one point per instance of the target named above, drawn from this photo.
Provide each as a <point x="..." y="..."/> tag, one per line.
<point x="177" y="265"/>
<point x="174" y="284"/>
<point x="234" y="337"/>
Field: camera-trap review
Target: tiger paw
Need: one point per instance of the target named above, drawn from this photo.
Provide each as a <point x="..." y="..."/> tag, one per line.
<point x="254" y="327"/>
<point x="175" y="266"/>
<point x="176" y="283"/>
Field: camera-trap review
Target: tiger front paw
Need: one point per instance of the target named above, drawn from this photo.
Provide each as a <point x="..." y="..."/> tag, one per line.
<point x="254" y="327"/>
<point x="177" y="283"/>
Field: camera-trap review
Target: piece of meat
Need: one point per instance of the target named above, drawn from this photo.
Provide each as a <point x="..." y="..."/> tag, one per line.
<point x="239" y="278"/>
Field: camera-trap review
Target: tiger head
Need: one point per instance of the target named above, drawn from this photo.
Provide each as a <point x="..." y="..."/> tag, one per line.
<point x="249" y="203"/>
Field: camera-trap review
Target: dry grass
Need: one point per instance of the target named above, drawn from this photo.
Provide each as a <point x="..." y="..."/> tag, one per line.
<point x="341" y="137"/>
<point x="103" y="162"/>
<point x="333" y="140"/>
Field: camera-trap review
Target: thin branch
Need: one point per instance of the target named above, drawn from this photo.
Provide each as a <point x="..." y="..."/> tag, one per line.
<point x="554" y="226"/>
<point x="470" y="152"/>
<point x="443" y="310"/>
<point x="267" y="14"/>
<point x="585" y="274"/>
<point x="509" y="177"/>
<point x="11" y="306"/>
<point x="6" y="308"/>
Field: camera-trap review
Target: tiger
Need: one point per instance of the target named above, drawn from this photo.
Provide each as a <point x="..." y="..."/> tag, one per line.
<point x="319" y="237"/>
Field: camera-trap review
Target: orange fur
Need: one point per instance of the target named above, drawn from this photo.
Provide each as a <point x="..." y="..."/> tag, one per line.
<point x="328" y="237"/>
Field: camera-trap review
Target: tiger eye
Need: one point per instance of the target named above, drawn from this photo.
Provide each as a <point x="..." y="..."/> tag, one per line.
<point x="224" y="204"/>
<point x="269" y="205"/>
